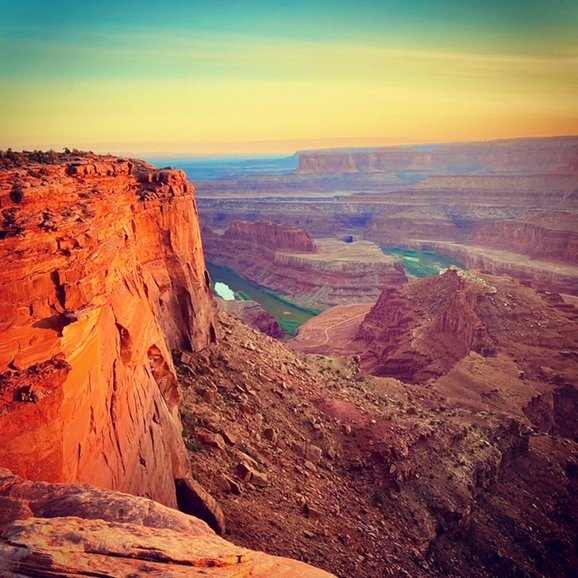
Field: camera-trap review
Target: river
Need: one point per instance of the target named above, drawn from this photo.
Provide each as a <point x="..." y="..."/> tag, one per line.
<point x="290" y="316"/>
<point x="421" y="263"/>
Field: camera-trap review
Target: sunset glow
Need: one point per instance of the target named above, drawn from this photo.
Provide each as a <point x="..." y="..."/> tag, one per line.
<point x="217" y="77"/>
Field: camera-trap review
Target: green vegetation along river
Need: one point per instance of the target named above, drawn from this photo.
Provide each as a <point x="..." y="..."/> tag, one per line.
<point x="289" y="315"/>
<point x="421" y="263"/>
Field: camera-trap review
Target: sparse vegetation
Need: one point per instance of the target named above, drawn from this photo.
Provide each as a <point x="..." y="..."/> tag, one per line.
<point x="193" y="445"/>
<point x="12" y="159"/>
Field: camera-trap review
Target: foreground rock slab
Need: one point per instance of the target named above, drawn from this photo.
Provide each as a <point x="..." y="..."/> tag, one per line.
<point x="77" y="530"/>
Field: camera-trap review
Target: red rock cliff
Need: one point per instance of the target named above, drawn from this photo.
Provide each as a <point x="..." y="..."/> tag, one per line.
<point x="102" y="275"/>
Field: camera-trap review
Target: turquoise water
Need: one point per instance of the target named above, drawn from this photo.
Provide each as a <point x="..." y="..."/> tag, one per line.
<point x="421" y="263"/>
<point x="289" y="315"/>
<point x="224" y="291"/>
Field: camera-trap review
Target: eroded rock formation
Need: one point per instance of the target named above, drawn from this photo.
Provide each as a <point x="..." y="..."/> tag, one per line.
<point x="511" y="203"/>
<point x="317" y="273"/>
<point x="272" y="236"/>
<point x="102" y="275"/>
<point x="422" y="330"/>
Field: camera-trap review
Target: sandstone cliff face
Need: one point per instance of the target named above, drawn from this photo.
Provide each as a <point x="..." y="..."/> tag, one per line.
<point x="372" y="161"/>
<point x="77" y="530"/>
<point x="537" y="273"/>
<point x="533" y="240"/>
<point x="103" y="274"/>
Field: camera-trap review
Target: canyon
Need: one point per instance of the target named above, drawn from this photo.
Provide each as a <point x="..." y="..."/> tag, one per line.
<point x="507" y="206"/>
<point x="315" y="273"/>
<point x="427" y="431"/>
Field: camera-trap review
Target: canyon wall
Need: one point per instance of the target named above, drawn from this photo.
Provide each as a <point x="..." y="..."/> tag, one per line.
<point x="103" y="275"/>
<point x="516" y="195"/>
<point x="540" y="274"/>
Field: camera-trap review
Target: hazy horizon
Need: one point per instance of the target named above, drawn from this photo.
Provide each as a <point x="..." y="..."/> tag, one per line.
<point x="248" y="151"/>
<point x="277" y="77"/>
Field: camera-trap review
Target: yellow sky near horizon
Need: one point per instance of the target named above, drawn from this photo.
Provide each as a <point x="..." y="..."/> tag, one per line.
<point x="239" y="93"/>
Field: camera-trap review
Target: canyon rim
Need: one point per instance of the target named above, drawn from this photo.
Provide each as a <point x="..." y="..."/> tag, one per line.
<point x="289" y="289"/>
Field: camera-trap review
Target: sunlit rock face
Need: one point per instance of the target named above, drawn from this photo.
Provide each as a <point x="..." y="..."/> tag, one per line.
<point x="102" y="274"/>
<point x="72" y="529"/>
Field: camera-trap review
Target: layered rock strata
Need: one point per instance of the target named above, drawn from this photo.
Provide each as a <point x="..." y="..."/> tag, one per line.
<point x="271" y="235"/>
<point x="103" y="275"/>
<point x="517" y="195"/>
<point x="540" y="274"/>
<point x="334" y="272"/>
<point x="509" y="155"/>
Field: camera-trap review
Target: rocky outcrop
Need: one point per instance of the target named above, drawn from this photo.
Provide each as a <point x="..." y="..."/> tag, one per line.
<point x="537" y="273"/>
<point x="337" y="272"/>
<point x="102" y="275"/>
<point x="420" y="331"/>
<point x="393" y="325"/>
<point x="56" y="530"/>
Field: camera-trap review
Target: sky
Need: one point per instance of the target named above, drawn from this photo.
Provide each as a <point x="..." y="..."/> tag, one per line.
<point x="225" y="77"/>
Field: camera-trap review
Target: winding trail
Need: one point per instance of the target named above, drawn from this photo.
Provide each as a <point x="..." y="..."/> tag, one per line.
<point x="326" y="329"/>
<point x="337" y="323"/>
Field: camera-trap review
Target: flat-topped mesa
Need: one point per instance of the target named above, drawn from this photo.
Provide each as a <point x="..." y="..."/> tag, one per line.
<point x="530" y="155"/>
<point x="103" y="274"/>
<point x="272" y="236"/>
